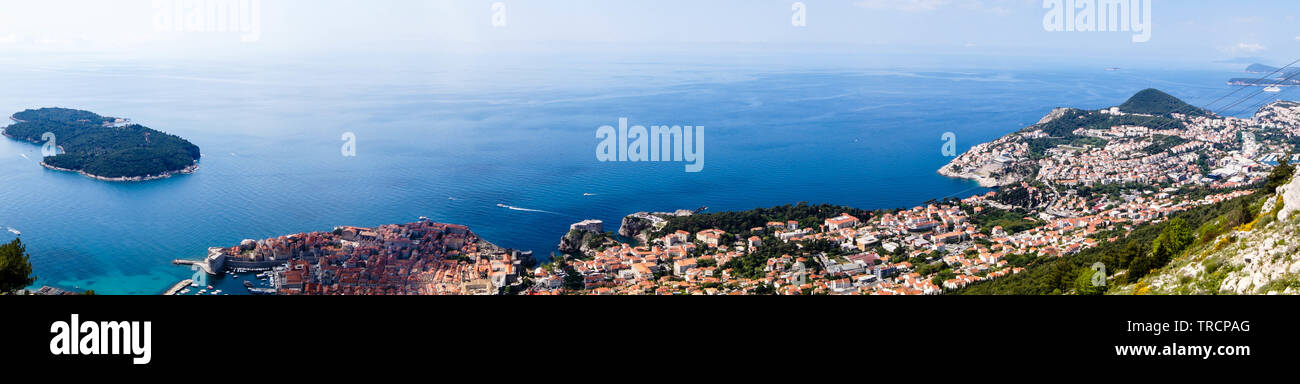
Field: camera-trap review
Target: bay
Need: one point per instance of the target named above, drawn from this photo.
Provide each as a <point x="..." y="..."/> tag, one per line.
<point x="451" y="137"/>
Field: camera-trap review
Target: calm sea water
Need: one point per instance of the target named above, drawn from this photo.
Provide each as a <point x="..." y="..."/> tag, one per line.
<point x="452" y="138"/>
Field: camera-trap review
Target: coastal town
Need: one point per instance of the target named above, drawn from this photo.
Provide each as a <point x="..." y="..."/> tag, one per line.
<point x="1183" y="151"/>
<point x="421" y="258"/>
<point x="919" y="251"/>
<point x="1092" y="184"/>
<point x="1069" y="197"/>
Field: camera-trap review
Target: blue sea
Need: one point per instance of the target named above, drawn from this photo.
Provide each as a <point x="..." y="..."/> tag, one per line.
<point x="452" y="136"/>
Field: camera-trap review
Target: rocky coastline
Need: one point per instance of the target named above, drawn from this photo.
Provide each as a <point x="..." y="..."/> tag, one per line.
<point x="984" y="181"/>
<point x="185" y="171"/>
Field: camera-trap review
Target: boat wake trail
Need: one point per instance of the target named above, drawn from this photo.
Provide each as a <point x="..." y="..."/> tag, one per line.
<point x="514" y="208"/>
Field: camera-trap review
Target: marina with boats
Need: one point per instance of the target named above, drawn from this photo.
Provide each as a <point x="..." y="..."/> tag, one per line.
<point x="230" y="282"/>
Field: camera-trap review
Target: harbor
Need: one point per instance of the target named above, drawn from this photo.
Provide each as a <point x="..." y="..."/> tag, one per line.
<point x="178" y="287"/>
<point x="228" y="283"/>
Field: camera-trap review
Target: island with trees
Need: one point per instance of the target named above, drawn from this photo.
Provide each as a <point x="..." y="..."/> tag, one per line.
<point x="104" y="148"/>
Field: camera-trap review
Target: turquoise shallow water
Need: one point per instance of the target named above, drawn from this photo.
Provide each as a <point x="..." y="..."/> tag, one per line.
<point x="452" y="139"/>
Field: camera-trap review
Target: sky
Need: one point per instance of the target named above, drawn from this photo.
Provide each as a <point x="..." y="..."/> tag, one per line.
<point x="1197" y="30"/>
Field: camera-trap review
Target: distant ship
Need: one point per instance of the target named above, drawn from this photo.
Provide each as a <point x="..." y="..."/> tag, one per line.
<point x="503" y="206"/>
<point x="1112" y="69"/>
<point x="1273" y="89"/>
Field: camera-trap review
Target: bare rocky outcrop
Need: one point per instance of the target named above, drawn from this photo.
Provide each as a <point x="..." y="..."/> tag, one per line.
<point x="639" y="225"/>
<point x="1055" y="114"/>
<point x="585" y="238"/>
<point x="1290" y="195"/>
<point x="581" y="242"/>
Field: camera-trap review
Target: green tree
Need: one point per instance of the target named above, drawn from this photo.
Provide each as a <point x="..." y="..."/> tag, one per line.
<point x="1139" y="267"/>
<point x="1175" y="238"/>
<point x="15" y="267"/>
<point x="1084" y="285"/>
<point x="573" y="280"/>
<point x="1281" y="173"/>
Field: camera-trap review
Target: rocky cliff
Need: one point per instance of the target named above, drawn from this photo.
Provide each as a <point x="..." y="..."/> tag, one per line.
<point x="1262" y="257"/>
<point x="1052" y="116"/>
<point x="639" y="225"/>
<point x="582" y="243"/>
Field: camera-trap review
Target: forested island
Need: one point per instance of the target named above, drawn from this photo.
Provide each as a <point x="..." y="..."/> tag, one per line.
<point x="104" y="148"/>
<point x="1274" y="77"/>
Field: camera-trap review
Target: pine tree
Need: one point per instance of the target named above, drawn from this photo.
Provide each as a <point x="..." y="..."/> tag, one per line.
<point x="15" y="267"/>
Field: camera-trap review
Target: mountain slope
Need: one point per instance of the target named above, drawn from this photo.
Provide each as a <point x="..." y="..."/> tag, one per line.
<point x="1260" y="257"/>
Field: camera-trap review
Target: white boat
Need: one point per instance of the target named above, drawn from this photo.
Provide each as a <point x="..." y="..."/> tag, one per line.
<point x="1273" y="89"/>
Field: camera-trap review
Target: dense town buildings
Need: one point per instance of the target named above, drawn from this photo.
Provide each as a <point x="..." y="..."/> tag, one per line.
<point x="424" y="258"/>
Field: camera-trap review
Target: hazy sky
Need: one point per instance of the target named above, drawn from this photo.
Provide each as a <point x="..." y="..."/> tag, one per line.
<point x="1193" y="29"/>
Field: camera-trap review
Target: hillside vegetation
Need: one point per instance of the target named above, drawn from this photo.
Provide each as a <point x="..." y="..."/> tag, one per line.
<point x="1156" y="102"/>
<point x="1158" y="258"/>
<point x="1259" y="256"/>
